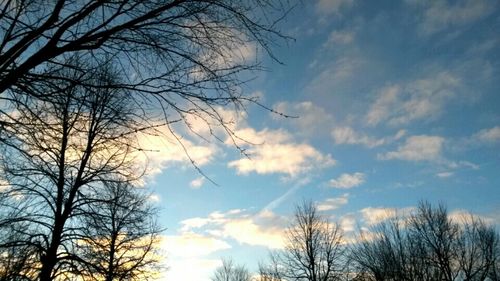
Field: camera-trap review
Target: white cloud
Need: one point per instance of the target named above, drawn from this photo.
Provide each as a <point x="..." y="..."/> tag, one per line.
<point x="348" y="223"/>
<point x="311" y="118"/>
<point x="461" y="164"/>
<point x="444" y="175"/>
<point x="417" y="148"/>
<point x="191" y="269"/>
<point x="418" y="100"/>
<point x="275" y="152"/>
<point x="189" y="250"/>
<point x="249" y="231"/>
<point x="263" y="229"/>
<point x="333" y="203"/>
<point x="440" y="15"/>
<point x="211" y="122"/>
<point x="491" y="135"/>
<point x="197" y="183"/>
<point x="347" y="135"/>
<point x="190" y="245"/>
<point x="372" y="216"/>
<point x="463" y="216"/>
<point x="327" y="7"/>
<point x="161" y="151"/>
<point x="380" y="109"/>
<point x="346" y="181"/>
<point x="155" y="198"/>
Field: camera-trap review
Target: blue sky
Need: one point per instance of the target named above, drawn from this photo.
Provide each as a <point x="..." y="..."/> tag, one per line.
<point x="398" y="101"/>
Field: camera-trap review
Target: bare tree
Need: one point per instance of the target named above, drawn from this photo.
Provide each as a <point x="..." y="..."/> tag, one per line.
<point x="229" y="271"/>
<point x="313" y="251"/>
<point x="271" y="270"/>
<point x="438" y="236"/>
<point x="121" y="237"/>
<point x="176" y="58"/>
<point x="63" y="149"/>
<point x="427" y="245"/>
<point x="478" y="244"/>
<point x="68" y="125"/>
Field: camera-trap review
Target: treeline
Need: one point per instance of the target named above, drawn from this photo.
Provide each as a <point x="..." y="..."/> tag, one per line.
<point x="426" y="245"/>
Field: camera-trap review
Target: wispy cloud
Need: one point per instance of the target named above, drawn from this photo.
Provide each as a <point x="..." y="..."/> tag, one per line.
<point x="491" y="135"/>
<point x="444" y="175"/>
<point x="339" y="37"/>
<point x="440" y="15"/>
<point x="346" y="181"/>
<point x="333" y="203"/>
<point x="418" y="100"/>
<point x="417" y="148"/>
<point x="311" y="118"/>
<point x="197" y="183"/>
<point x="347" y="135"/>
<point x="262" y="229"/>
<point x="335" y="73"/>
<point x="328" y="7"/>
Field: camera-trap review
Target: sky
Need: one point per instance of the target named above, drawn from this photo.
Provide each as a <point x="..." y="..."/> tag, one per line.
<point x="397" y="102"/>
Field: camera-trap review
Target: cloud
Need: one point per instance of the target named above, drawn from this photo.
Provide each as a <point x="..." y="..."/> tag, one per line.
<point x="444" y="175"/>
<point x="197" y="183"/>
<point x="211" y="122"/>
<point x="190" y="269"/>
<point x="262" y="229"/>
<point x="335" y="74"/>
<point x="155" y="198"/>
<point x="311" y="118"/>
<point x="373" y="216"/>
<point x="379" y="110"/>
<point x="417" y="148"/>
<point x="162" y="150"/>
<point x="188" y="250"/>
<point x="346" y="181"/>
<point x="189" y="245"/>
<point x="327" y="7"/>
<point x="250" y="231"/>
<point x="342" y="37"/>
<point x="348" y="223"/>
<point x="418" y="100"/>
<point x="439" y="15"/>
<point x="275" y="151"/>
<point x="333" y="203"/>
<point x="491" y="135"/>
<point x="463" y="216"/>
<point x="347" y="135"/>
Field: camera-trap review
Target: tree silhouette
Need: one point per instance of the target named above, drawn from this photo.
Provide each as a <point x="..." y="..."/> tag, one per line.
<point x="427" y="245"/>
<point x="313" y="249"/>
<point x="229" y="271"/>
<point x="120" y="241"/>
<point x="176" y="58"/>
<point x="57" y="158"/>
<point x="78" y="81"/>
